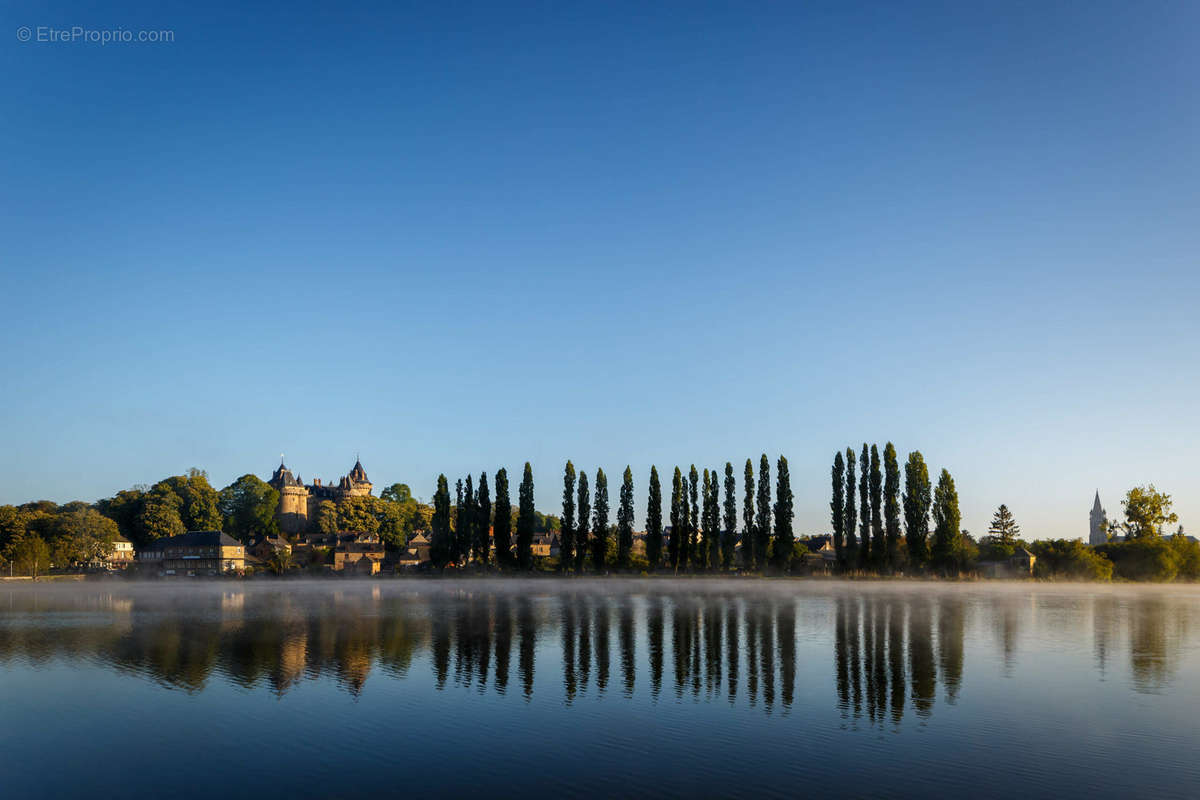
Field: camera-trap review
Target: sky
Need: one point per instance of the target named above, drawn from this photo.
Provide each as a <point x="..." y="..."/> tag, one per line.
<point x="453" y="237"/>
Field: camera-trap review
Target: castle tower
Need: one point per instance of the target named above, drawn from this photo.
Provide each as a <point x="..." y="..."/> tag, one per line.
<point x="357" y="482"/>
<point x="1098" y="520"/>
<point x="293" y="500"/>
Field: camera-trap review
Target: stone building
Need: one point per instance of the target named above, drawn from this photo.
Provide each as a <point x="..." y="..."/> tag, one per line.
<point x="298" y="502"/>
<point x="1099" y="521"/>
<point x="195" y="553"/>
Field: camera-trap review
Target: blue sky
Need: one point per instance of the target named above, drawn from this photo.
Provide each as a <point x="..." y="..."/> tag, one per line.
<point x="454" y="237"/>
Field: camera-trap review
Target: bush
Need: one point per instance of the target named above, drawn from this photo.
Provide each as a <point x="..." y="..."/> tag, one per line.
<point x="1187" y="556"/>
<point x="1144" y="559"/>
<point x="1069" y="559"/>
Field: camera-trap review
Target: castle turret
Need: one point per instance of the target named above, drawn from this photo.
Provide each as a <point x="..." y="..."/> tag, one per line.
<point x="1098" y="521"/>
<point x="293" y="500"/>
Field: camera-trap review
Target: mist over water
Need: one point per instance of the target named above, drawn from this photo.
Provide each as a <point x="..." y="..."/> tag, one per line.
<point x="580" y="687"/>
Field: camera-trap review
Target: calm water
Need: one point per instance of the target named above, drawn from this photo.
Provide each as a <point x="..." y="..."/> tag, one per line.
<point x="549" y="689"/>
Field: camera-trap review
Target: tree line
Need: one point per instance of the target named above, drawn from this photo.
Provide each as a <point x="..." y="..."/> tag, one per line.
<point x="701" y="535"/>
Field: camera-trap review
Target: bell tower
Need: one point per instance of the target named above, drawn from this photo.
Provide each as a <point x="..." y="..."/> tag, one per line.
<point x="1098" y="521"/>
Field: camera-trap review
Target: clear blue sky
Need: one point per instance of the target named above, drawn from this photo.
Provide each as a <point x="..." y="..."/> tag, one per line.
<point x="455" y="237"/>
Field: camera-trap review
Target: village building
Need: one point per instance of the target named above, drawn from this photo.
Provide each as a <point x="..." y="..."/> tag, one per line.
<point x="196" y="553"/>
<point x="266" y="546"/>
<point x="122" y="554"/>
<point x="360" y="553"/>
<point x="1018" y="565"/>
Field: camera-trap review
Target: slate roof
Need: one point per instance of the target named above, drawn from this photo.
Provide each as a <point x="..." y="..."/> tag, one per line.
<point x="195" y="539"/>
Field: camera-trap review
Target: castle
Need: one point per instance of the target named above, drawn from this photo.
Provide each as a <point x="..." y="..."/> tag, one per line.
<point x="1099" y="523"/>
<point x="298" y="503"/>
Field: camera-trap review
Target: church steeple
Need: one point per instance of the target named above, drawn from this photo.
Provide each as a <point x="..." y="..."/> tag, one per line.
<point x="1097" y="523"/>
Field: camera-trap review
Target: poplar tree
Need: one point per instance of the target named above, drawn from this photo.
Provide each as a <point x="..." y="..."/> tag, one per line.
<point x="584" y="499"/>
<point x="460" y="524"/>
<point x="706" y="534"/>
<point x="918" y="494"/>
<point x="864" y="508"/>
<point x="685" y="518"/>
<point x="526" y="519"/>
<point x="762" y="527"/>
<point x="947" y="538"/>
<point x="600" y="522"/>
<point x="502" y="527"/>
<point x="878" y="555"/>
<point x="784" y="538"/>
<point x="837" y="507"/>
<point x="677" y="526"/>
<point x="654" y="541"/>
<point x="714" y="521"/>
<point x="440" y="544"/>
<point x="625" y="520"/>
<point x="694" y="555"/>
<point x="891" y="504"/>
<point x="851" y="559"/>
<point x="483" y="521"/>
<point x="567" y="540"/>
<point x="470" y="521"/>
<point x="749" y="537"/>
<point x="728" y="536"/>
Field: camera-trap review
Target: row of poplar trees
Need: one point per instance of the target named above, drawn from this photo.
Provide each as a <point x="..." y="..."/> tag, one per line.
<point x="702" y="534"/>
<point x="867" y="537"/>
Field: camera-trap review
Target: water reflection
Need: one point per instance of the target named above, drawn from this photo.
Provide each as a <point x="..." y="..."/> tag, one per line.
<point x="893" y="653"/>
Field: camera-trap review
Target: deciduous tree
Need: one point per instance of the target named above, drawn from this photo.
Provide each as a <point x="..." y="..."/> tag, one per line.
<point x="918" y="494"/>
<point x="762" y="525"/>
<point x="851" y="558"/>
<point x="729" y="535"/>
<point x="502" y="522"/>
<point x="947" y="538"/>
<point x="837" y="507"/>
<point x="654" y="542"/>
<point x="584" y="499"/>
<point x="625" y="521"/>
<point x="526" y="520"/>
<point x="891" y="504"/>
<point x="783" y="516"/>
<point x="567" y="540"/>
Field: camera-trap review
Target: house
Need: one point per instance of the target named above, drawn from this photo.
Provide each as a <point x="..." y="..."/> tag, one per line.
<point x="355" y="547"/>
<point x="122" y="554"/>
<point x="266" y="546"/>
<point x="545" y="545"/>
<point x="1018" y="565"/>
<point x="195" y="553"/>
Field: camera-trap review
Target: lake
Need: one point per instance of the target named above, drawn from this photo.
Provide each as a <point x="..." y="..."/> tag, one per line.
<point x="548" y="688"/>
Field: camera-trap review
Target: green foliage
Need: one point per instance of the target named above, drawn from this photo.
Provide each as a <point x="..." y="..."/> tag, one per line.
<point x="1142" y="559"/>
<point x="600" y="522"/>
<point x="1004" y="527"/>
<point x="248" y="507"/>
<point x="1187" y="556"/>
<point x="1068" y="559"/>
<point x="28" y="554"/>
<point x="891" y="504"/>
<point x="327" y="517"/>
<point x="783" y="516"/>
<point x="712" y="521"/>
<point x="280" y="561"/>
<point x="1147" y="510"/>
<point x="693" y="556"/>
<point x="654" y="540"/>
<point x="159" y="516"/>
<point x="483" y="522"/>
<point x="625" y="521"/>
<point x="947" y="539"/>
<point x="678" y="519"/>
<point x="584" y="502"/>
<point x="729" y="535"/>
<point x="918" y="496"/>
<point x="80" y="537"/>
<point x="123" y="509"/>
<point x="441" y="544"/>
<point x="878" y="551"/>
<point x="525" y="521"/>
<point x="357" y="514"/>
<point x="502" y="521"/>
<point x="851" y="522"/>
<point x="397" y="493"/>
<point x="749" y="537"/>
<point x="837" y="506"/>
<point x="567" y="541"/>
<point x="864" y="508"/>
<point x="762" y="523"/>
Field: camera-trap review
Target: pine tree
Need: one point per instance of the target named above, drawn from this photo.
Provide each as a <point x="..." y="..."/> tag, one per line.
<point x="483" y="522"/>
<point x="878" y="553"/>
<point x="864" y="508"/>
<point x="600" y="522"/>
<point x="1004" y="527"/>
<point x="584" y="501"/>
<point x="851" y="512"/>
<point x="502" y="526"/>
<point x="526" y="519"/>
<point x="918" y="494"/>
<point x="441" y="544"/>
<point x="891" y="504"/>
<point x="625" y="520"/>
<point x="654" y="540"/>
<point x="567" y="539"/>
<point x="837" y="507"/>
<point x="677" y="524"/>
<point x="784" y="538"/>
<point x="729" y="535"/>
<point x="762" y="526"/>
<point x="695" y="557"/>
<point x="749" y="537"/>
<point x="947" y="539"/>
